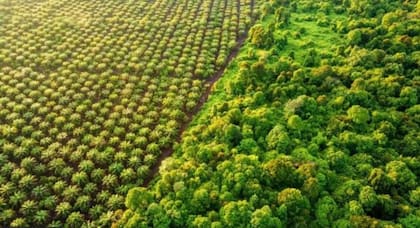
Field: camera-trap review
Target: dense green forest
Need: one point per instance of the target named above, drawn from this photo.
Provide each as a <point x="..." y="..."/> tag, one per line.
<point x="315" y="124"/>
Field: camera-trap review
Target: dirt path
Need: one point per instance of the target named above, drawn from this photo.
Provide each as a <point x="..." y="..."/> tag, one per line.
<point x="209" y="84"/>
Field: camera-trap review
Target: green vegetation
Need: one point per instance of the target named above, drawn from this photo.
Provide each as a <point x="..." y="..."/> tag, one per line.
<point x="91" y="93"/>
<point x="315" y="124"/>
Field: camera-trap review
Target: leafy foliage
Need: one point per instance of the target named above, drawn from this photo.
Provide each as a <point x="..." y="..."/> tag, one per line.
<point x="316" y="130"/>
<point x="92" y="93"/>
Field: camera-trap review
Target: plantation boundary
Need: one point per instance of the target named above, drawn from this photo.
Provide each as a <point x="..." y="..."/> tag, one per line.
<point x="209" y="84"/>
